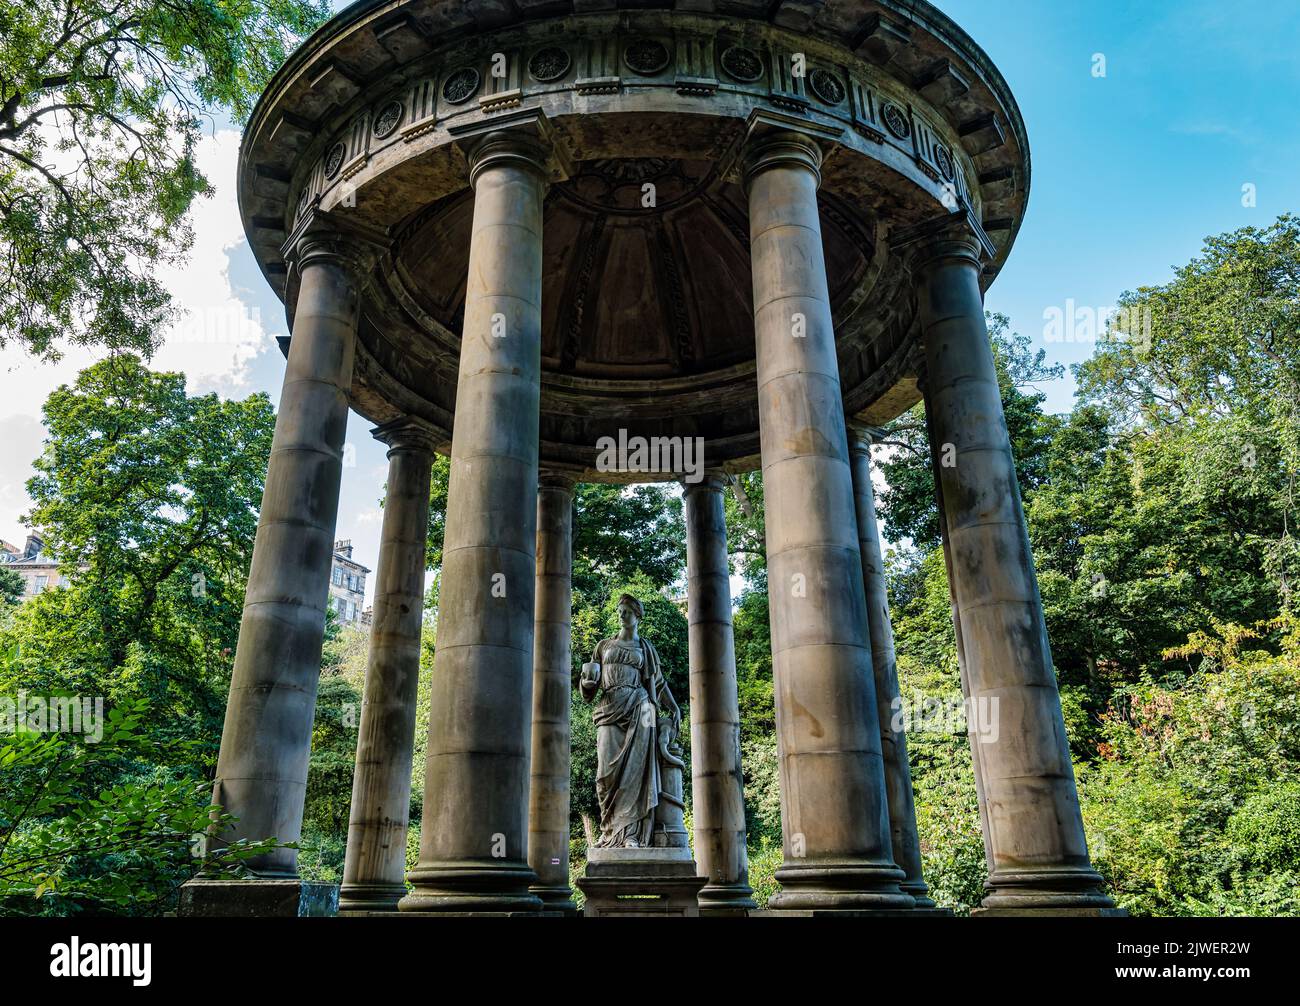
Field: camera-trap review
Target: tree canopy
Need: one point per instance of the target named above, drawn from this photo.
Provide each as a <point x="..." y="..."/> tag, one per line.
<point x="102" y="103"/>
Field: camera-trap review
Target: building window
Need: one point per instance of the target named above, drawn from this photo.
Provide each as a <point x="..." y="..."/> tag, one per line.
<point x="41" y="583"/>
<point x="338" y="576"/>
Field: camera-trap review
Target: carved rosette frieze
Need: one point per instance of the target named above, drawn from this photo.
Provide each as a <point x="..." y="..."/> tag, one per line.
<point x="460" y="85"/>
<point x="388" y="119"/>
<point x="646" y="57"/>
<point x="826" y="86"/>
<point x="742" y="64"/>
<point x="549" y="64"/>
<point x="699" y="58"/>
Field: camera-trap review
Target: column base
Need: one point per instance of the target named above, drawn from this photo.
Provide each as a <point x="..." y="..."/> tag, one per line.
<point x="1046" y="892"/>
<point x="920" y="892"/>
<point x="1078" y="912"/>
<point x="370" y="898"/>
<point x="256" y="898"/>
<point x="556" y="899"/>
<point x="726" y="900"/>
<point x="852" y="913"/>
<point x="472" y="888"/>
<point x="821" y="885"/>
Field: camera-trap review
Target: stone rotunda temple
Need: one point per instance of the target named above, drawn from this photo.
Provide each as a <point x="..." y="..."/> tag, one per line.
<point x="506" y="229"/>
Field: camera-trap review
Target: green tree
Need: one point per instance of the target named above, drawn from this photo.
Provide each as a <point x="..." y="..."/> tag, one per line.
<point x="907" y="505"/>
<point x="148" y="498"/>
<point x="101" y="105"/>
<point x="1190" y="808"/>
<point x="1210" y="362"/>
<point x="11" y="587"/>
<point x="620" y="532"/>
<point x="92" y="824"/>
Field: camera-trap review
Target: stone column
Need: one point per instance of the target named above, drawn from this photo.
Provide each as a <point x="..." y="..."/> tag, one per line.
<point x="717" y="782"/>
<point x="972" y="735"/>
<point x="835" y="816"/>
<point x="473" y="840"/>
<point x="266" y="741"/>
<point x="1039" y="858"/>
<point x="898" y="775"/>
<point x="548" y="802"/>
<point x="375" y="865"/>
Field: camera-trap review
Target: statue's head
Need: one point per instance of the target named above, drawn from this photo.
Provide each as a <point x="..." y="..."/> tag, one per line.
<point x="630" y="611"/>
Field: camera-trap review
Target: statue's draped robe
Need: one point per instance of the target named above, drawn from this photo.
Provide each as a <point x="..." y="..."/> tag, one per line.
<point x="627" y="724"/>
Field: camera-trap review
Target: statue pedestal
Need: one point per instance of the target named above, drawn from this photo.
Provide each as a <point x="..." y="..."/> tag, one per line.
<point x="649" y="882"/>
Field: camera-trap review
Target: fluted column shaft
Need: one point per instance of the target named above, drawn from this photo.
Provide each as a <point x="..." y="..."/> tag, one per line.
<point x="1039" y="857"/>
<point x="548" y="804"/>
<point x="718" y="798"/>
<point x="375" y="863"/>
<point x="906" y="842"/>
<point x="473" y="839"/>
<point x="835" y="816"/>
<point x="266" y="740"/>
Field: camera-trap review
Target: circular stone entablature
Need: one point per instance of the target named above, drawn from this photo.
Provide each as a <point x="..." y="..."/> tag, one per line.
<point x="647" y="320"/>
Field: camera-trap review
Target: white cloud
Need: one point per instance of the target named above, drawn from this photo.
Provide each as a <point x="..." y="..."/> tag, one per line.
<point x="213" y="342"/>
<point x="218" y="334"/>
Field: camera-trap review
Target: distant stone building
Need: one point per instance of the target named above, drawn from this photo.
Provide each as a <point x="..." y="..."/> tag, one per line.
<point x="347" y="584"/>
<point x="38" y="570"/>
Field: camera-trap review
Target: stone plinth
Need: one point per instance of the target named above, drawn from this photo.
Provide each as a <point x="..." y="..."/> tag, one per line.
<point x="262" y="898"/>
<point x="1064" y="912"/>
<point x="656" y="882"/>
<point x="841" y="913"/>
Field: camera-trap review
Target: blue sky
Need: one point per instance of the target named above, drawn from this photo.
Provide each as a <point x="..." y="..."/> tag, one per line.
<point x="1131" y="172"/>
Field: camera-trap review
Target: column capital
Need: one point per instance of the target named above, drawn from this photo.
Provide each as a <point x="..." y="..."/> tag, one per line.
<point x="863" y="436"/>
<point x="320" y="236"/>
<point x="713" y="480"/>
<point x="954" y="237"/>
<point x="408" y="433"/>
<point x="524" y="138"/>
<point x="777" y="139"/>
<point x="556" y="480"/>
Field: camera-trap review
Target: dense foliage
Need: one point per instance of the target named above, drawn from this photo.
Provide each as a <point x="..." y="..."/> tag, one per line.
<point x="148" y="498"/>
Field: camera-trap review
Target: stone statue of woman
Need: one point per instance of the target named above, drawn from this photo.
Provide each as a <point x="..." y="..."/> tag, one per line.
<point x="637" y="720"/>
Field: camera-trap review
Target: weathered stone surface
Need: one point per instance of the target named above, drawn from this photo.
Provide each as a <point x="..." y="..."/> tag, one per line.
<point x="639" y="766"/>
<point x="1034" y="838"/>
<point x="474" y="833"/>
<point x="645" y="306"/>
<point x="375" y="864"/>
<point x="653" y="883"/>
<point x="548" y="806"/>
<point x="572" y="251"/>
<point x="835" y="819"/>
<point x="905" y="841"/>
<point x="256" y="899"/>
<point x="717" y="779"/>
<point x="266" y="741"/>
